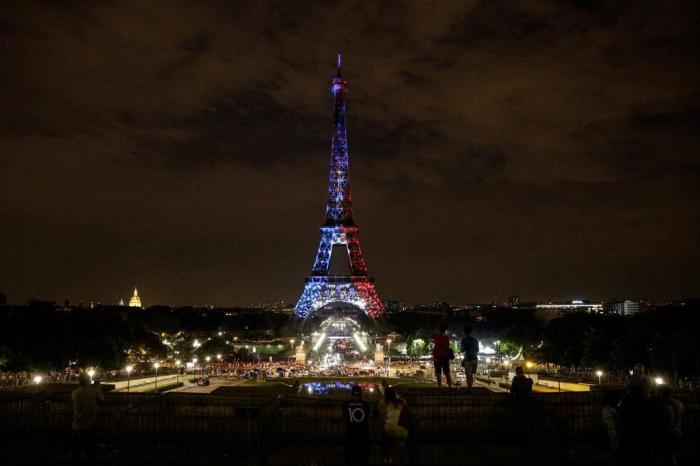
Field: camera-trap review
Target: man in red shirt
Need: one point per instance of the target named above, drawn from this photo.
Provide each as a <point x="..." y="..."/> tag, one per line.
<point x="441" y="357"/>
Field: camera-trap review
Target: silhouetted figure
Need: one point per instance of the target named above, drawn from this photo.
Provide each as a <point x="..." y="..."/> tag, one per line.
<point x="84" y="400"/>
<point x="356" y="413"/>
<point x="671" y="413"/>
<point x="521" y="394"/>
<point x="470" y="348"/>
<point x="441" y="356"/>
<point x="638" y="422"/>
<point x="639" y="382"/>
<point x="395" y="419"/>
<point x="611" y="419"/>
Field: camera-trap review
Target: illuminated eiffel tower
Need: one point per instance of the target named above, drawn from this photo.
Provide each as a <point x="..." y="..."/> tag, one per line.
<point x="348" y="283"/>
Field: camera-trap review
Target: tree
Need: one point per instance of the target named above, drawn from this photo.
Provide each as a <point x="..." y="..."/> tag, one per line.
<point x="417" y="347"/>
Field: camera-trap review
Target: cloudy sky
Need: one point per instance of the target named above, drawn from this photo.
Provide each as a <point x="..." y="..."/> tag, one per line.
<point x="542" y="149"/>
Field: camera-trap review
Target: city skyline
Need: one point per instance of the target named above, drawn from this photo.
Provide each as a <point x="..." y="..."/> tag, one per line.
<point x="498" y="148"/>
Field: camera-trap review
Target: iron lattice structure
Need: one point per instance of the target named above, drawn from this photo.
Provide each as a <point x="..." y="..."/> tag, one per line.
<point x="339" y="229"/>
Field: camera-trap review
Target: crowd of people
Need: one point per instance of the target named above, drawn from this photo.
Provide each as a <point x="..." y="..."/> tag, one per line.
<point x="286" y="369"/>
<point x="14" y="379"/>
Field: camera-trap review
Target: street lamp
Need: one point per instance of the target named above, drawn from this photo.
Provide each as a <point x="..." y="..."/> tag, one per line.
<point x="600" y="375"/>
<point x="37" y="379"/>
<point x="91" y="373"/>
<point x="178" y="363"/>
<point x="218" y="356"/>
<point x="156" y="365"/>
<point x="128" y="377"/>
<point x="190" y="366"/>
<point x="388" y="347"/>
<point x="659" y="381"/>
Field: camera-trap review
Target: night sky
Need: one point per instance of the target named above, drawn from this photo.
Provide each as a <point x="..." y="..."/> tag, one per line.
<point x="542" y="149"/>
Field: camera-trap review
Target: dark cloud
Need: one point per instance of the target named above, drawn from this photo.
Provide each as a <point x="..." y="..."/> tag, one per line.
<point x="547" y="149"/>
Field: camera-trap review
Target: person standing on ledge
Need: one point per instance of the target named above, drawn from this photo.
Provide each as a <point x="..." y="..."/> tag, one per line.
<point x="441" y="356"/>
<point x="84" y="400"/>
<point x="470" y="348"/>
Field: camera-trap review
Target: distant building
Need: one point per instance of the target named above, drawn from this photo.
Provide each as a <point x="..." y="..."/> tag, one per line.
<point x="553" y="310"/>
<point x="514" y="301"/>
<point x="435" y="309"/>
<point x="624" y="307"/>
<point x="135" y="301"/>
<point x="392" y="306"/>
<point x="121" y="301"/>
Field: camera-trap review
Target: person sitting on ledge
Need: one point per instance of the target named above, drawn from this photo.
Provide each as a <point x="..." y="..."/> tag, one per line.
<point x="395" y="418"/>
<point x="85" y="400"/>
<point x="357" y="441"/>
<point x="521" y="386"/>
<point x="521" y="392"/>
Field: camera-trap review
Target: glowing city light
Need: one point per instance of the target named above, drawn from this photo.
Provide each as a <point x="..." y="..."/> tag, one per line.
<point x="129" y="369"/>
<point x="156" y="365"/>
<point x="37" y="379"/>
<point x="135" y="300"/>
<point x="359" y="342"/>
<point x="320" y="341"/>
<point x="659" y="381"/>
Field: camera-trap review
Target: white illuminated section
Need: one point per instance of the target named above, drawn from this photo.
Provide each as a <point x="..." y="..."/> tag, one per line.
<point x="486" y="349"/>
<point x="573" y="305"/>
<point x="359" y="342"/>
<point x="320" y="340"/>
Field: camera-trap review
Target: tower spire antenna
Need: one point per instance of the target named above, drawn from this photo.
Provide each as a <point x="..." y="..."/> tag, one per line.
<point x="340" y="62"/>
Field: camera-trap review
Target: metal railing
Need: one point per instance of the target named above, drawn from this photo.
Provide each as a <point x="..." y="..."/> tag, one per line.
<point x="165" y="429"/>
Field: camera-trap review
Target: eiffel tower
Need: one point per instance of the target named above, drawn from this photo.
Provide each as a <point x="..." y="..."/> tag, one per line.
<point x="344" y="278"/>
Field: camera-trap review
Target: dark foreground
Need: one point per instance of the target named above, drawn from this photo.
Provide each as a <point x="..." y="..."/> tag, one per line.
<point x="259" y="426"/>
